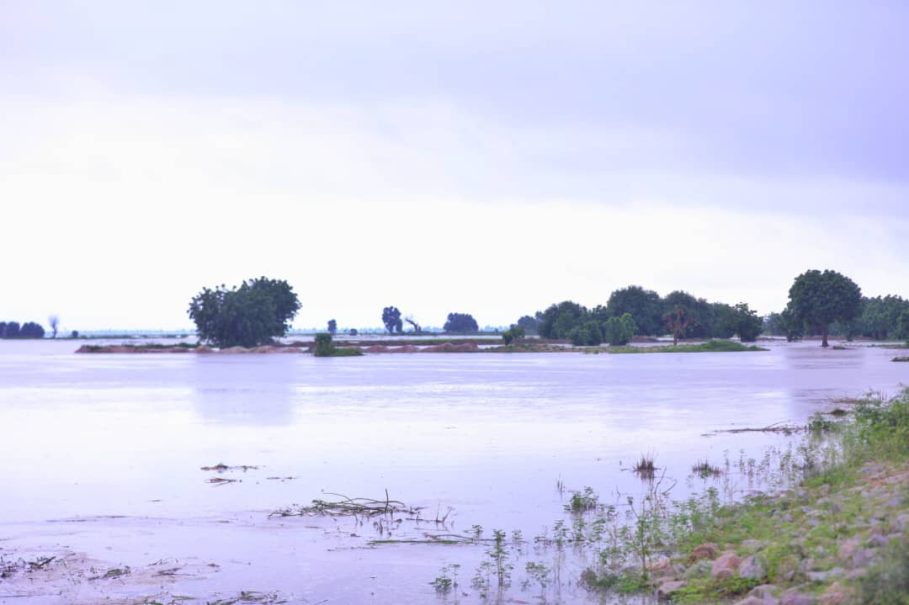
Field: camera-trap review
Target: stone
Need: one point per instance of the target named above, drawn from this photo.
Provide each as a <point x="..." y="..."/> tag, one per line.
<point x="823" y="576"/>
<point x="667" y="589"/>
<point x="849" y="547"/>
<point x="751" y="601"/>
<point x="703" y="551"/>
<point x="764" y="591"/>
<point x="752" y="545"/>
<point x="725" y="566"/>
<point x="661" y="566"/>
<point x="797" y="598"/>
<point x="753" y="567"/>
<point x="834" y="595"/>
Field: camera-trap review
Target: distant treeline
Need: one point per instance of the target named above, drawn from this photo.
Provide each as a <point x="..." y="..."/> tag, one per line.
<point x="12" y="329"/>
<point x="678" y="314"/>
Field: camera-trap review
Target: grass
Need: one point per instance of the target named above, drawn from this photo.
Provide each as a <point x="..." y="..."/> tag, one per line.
<point x="645" y="467"/>
<point x="704" y="469"/>
<point x="711" y="346"/>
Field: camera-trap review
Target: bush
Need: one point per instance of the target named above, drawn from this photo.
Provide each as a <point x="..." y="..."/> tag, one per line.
<point x="513" y="333"/>
<point x="324" y="346"/>
<point x="586" y="335"/>
<point x="619" y="331"/>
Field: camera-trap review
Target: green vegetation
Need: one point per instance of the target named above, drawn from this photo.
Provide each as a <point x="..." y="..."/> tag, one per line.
<point x="817" y="299"/>
<point x="618" y="331"/>
<point x="461" y="323"/>
<point x="711" y="346"/>
<point x="512" y="334"/>
<point x="324" y="346"/>
<point x="252" y="314"/>
<point x="12" y="330"/>
<point x="391" y="319"/>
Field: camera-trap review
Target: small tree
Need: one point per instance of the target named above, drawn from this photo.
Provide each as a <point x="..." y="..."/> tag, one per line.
<point x="11" y="330"/>
<point x="324" y="347"/>
<point x="677" y="322"/>
<point x="54" y="322"/>
<point x="391" y="317"/>
<point x="619" y="331"/>
<point x="461" y="323"/>
<point x="817" y="299"/>
<point x="747" y="325"/>
<point x="515" y="332"/>
<point x="332" y="327"/>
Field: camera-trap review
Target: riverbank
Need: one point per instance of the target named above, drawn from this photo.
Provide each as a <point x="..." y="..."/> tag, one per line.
<point x="459" y="345"/>
<point x="840" y="536"/>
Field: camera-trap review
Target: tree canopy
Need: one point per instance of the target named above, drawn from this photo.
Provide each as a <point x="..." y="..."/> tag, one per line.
<point x="29" y="329"/>
<point x="644" y="305"/>
<point x="391" y="318"/>
<point x="461" y="323"/>
<point x="817" y="299"/>
<point x="252" y="314"/>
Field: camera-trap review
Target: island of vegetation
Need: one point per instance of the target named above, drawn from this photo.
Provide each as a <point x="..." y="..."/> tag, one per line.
<point x="256" y="315"/>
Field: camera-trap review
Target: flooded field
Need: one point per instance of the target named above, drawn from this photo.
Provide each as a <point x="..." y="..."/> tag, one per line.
<point x="103" y="455"/>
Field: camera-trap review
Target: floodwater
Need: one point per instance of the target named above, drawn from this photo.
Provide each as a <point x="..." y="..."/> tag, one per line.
<point x="102" y="455"/>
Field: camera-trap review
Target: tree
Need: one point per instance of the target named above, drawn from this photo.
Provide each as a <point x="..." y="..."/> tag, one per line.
<point x="332" y="327"/>
<point x="618" y="331"/>
<point x="724" y="320"/>
<point x="54" y="322"/>
<point x="747" y="323"/>
<point x="391" y="317"/>
<point x="31" y="330"/>
<point x="323" y="346"/>
<point x="529" y="324"/>
<point x="461" y="323"/>
<point x="644" y="305"/>
<point x="515" y="332"/>
<point x="559" y="320"/>
<point x="684" y="315"/>
<point x="817" y="299"/>
<point x="254" y="313"/>
<point x="11" y="330"/>
<point x="586" y="334"/>
<point x="902" y="326"/>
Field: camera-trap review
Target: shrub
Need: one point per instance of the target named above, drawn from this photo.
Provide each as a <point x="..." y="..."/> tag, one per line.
<point x="324" y="346"/>
<point x="619" y="331"/>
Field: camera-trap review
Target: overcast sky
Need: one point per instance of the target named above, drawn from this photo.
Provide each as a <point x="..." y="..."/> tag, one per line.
<point x="479" y="157"/>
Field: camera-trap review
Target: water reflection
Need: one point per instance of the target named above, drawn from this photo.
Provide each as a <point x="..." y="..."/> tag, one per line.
<point x="245" y="389"/>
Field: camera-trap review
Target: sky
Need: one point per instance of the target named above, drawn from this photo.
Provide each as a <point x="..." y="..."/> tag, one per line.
<point x="487" y="158"/>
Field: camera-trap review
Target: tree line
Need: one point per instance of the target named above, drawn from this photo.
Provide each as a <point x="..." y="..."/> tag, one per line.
<point x="821" y="303"/>
<point x="634" y="311"/>
<point x="12" y="329"/>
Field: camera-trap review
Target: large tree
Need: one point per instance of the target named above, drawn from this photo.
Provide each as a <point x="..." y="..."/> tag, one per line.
<point x="559" y="320"/>
<point x="391" y="317"/>
<point x="254" y="313"/>
<point x="461" y="323"/>
<point x="817" y="299"/>
<point x="644" y="305"/>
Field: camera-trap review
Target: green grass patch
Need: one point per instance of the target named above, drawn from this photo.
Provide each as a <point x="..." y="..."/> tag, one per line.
<point x="711" y="346"/>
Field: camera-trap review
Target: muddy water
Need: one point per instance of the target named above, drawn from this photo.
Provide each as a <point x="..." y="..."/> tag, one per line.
<point x="101" y="457"/>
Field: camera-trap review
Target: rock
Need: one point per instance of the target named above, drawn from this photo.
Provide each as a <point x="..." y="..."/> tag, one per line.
<point x="752" y="545"/>
<point x="794" y="597"/>
<point x="725" y="566"/>
<point x="834" y="595"/>
<point x="848" y="548"/>
<point x="703" y="551"/>
<point x="862" y="557"/>
<point x="901" y="523"/>
<point x="823" y="576"/>
<point x="667" y="589"/>
<point x="661" y="566"/>
<point x="751" y="601"/>
<point x="787" y="568"/>
<point x="753" y="567"/>
<point x="764" y="591"/>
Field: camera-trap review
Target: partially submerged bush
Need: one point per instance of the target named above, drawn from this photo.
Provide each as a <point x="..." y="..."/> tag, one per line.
<point x="325" y="347"/>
